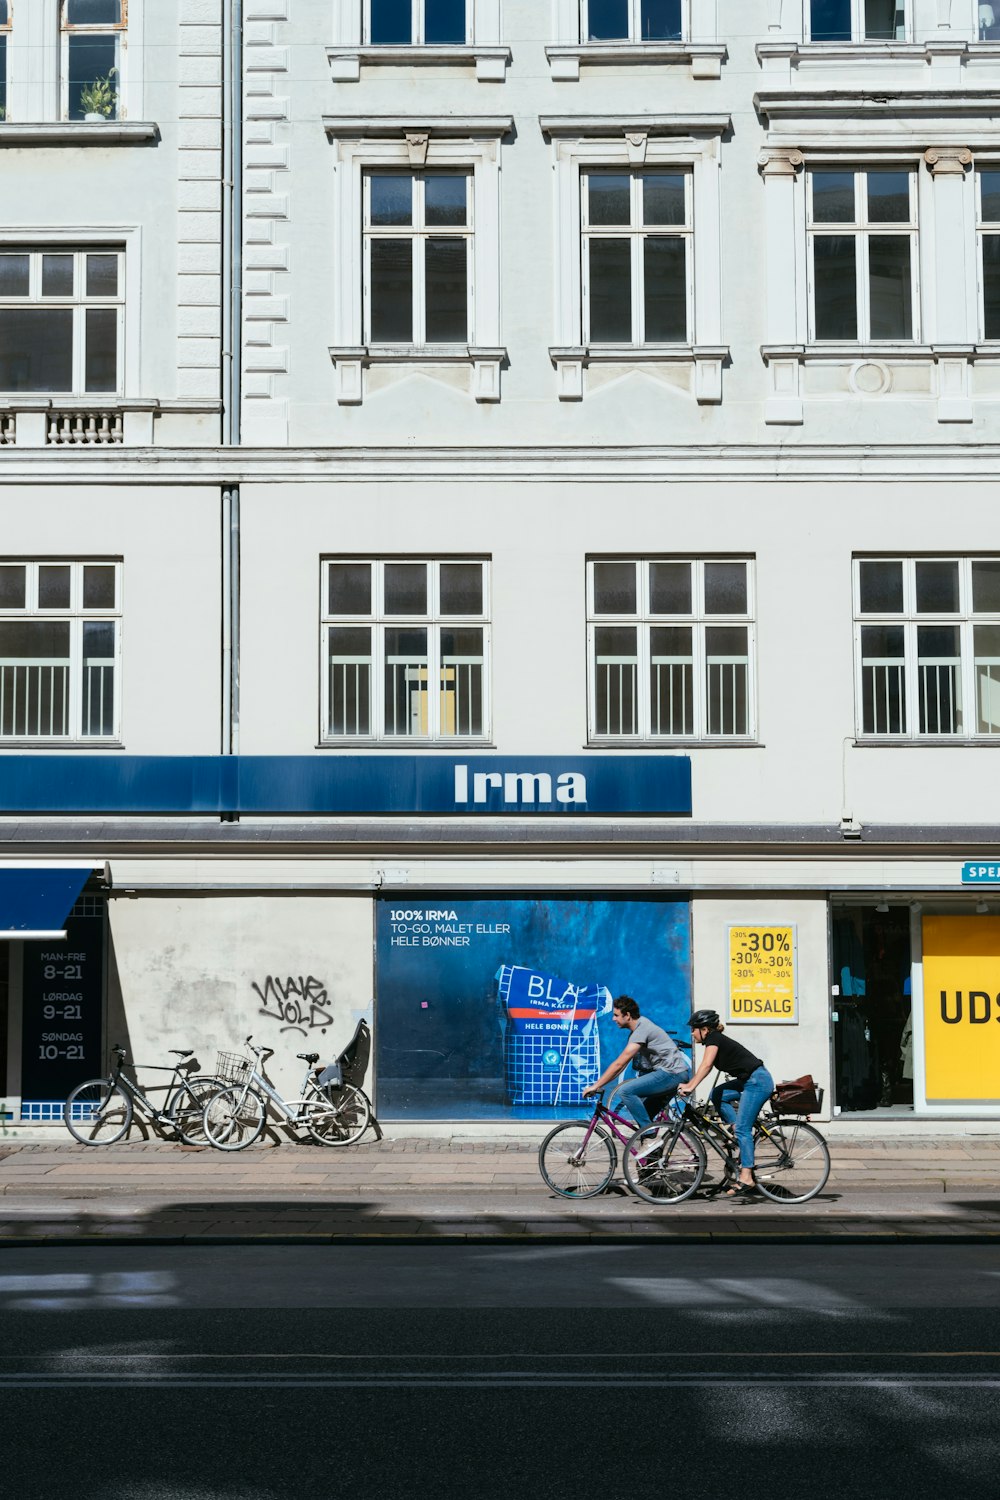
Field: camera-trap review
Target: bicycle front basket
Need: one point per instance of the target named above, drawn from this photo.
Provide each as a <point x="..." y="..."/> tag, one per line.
<point x="232" y="1066"/>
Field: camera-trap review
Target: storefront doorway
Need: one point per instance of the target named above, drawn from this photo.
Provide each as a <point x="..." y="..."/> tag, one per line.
<point x="872" y="1009"/>
<point x="4" y="1023"/>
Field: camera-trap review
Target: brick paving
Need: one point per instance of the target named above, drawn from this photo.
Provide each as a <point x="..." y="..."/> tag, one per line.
<point x="461" y="1188"/>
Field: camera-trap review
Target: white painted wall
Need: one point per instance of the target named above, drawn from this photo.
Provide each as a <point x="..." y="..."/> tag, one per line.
<point x="182" y="972"/>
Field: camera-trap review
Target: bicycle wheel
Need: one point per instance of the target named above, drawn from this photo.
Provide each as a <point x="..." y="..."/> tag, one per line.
<point x="186" y="1107"/>
<point x="337" y="1118"/>
<point x="792" y="1160"/>
<point x="671" y="1170"/>
<point x="234" y="1118"/>
<point x="97" y="1113"/>
<point x="573" y="1165"/>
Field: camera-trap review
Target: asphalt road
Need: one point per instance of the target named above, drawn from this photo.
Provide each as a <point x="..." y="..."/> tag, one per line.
<point x="260" y="1373"/>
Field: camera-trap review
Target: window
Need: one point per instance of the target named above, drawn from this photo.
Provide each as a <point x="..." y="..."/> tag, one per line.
<point x="857" y="20"/>
<point x="405" y="645"/>
<point x="636" y="281"/>
<point x="928" y="646"/>
<point x="989" y="22"/>
<point x="989" y="250"/>
<point x="418" y="261"/>
<point x="92" y="32"/>
<point x="633" y="20"/>
<point x="671" y="648"/>
<point x="5" y="20"/>
<point x="59" y="649"/>
<point x="863" y="271"/>
<point x="61" y="315"/>
<point x="429" y="23"/>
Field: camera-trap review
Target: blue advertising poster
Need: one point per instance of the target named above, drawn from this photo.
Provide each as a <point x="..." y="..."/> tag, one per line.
<point x="493" y="1007"/>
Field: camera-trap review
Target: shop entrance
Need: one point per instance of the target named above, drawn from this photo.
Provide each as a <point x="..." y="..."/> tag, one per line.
<point x="4" y="1023"/>
<point x="872" y="1008"/>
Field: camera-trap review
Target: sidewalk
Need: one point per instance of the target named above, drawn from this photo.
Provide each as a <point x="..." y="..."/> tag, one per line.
<point x="463" y="1188"/>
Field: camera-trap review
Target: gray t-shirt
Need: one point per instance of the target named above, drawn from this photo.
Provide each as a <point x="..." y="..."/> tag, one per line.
<point x="656" y="1049"/>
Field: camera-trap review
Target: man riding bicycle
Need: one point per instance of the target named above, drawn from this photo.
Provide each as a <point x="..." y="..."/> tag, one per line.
<point x="659" y="1064"/>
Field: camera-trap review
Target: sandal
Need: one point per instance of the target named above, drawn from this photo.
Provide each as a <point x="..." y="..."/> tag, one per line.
<point x="743" y="1192"/>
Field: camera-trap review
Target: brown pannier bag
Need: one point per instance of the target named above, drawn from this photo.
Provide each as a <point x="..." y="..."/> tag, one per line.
<point x="797" y="1096"/>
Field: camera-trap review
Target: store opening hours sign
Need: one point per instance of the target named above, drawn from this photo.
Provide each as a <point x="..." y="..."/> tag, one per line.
<point x="762" y="975"/>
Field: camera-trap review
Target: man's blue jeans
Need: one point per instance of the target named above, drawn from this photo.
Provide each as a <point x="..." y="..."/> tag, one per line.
<point x="751" y="1096"/>
<point x="632" y="1095"/>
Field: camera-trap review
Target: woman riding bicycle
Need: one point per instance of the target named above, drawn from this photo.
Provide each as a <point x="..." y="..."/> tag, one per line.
<point x="749" y="1087"/>
<point x="659" y="1064"/>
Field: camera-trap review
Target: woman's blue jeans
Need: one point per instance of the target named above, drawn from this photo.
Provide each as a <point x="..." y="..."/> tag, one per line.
<point x="751" y="1097"/>
<point x="633" y="1094"/>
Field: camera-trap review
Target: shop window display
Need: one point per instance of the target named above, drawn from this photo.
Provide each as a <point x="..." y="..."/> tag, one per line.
<point x="872" y="1027"/>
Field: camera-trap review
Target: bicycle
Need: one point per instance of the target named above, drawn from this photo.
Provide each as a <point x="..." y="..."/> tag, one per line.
<point x="100" y="1111"/>
<point x="792" y="1160"/>
<point x="334" y="1113"/>
<point x="578" y="1159"/>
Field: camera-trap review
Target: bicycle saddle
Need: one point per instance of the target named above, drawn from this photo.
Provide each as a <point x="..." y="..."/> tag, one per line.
<point x="309" y="1057"/>
<point x="181" y="1052"/>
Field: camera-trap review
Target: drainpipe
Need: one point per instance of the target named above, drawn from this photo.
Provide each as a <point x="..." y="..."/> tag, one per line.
<point x="232" y="300"/>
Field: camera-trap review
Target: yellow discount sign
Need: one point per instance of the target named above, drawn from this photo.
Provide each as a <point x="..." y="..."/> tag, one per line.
<point x="961" y="1009"/>
<point x="762" y="975"/>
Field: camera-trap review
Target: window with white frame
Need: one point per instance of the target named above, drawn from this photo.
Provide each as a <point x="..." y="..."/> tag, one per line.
<point x="60" y="645"/>
<point x="988" y="210"/>
<point x="61" y="320"/>
<point x="927" y="644"/>
<point x="637" y="282"/>
<point x="5" y="29"/>
<point x="418" y="257"/>
<point x="988" y="22"/>
<point x="671" y="648"/>
<point x="863" y="253"/>
<point x="405" y="646"/>
<point x="92" y="34"/>
<point x="417" y="23"/>
<point x="857" y="20"/>
<point x="634" y="20"/>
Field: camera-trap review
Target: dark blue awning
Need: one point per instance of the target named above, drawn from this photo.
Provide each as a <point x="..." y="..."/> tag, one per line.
<point x="36" y="903"/>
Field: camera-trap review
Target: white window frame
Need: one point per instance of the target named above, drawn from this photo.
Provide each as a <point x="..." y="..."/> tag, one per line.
<point x="858" y="25"/>
<point x="6" y="33"/>
<point x="76" y="616"/>
<point x="698" y="621"/>
<point x="120" y="31"/>
<point x="910" y="621"/>
<point x="582" y="145"/>
<point x="985" y="229"/>
<point x="636" y="232"/>
<point x="473" y="146"/>
<point x="417" y="25"/>
<point x="378" y="621"/>
<point x="79" y="304"/>
<point x="861" y="230"/>
<point x="634" y="25"/>
<point x="417" y="233"/>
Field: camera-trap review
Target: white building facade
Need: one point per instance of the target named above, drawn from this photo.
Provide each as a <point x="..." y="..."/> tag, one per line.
<point x="500" y="512"/>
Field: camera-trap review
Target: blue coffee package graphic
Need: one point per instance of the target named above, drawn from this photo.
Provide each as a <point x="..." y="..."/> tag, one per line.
<point x="552" y="1048"/>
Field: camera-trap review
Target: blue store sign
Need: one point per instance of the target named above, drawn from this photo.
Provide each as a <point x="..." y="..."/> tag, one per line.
<point x="261" y="785"/>
<point x="981" y="873"/>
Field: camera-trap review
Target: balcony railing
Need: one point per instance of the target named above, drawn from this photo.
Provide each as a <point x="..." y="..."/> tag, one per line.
<point x="77" y="429"/>
<point x="34" y="698"/>
<point x="940" y="695"/>
<point x="884" y="692"/>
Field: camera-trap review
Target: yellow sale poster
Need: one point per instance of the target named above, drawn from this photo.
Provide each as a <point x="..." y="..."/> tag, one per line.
<point x="762" y="975"/>
<point x="962" y="1009"/>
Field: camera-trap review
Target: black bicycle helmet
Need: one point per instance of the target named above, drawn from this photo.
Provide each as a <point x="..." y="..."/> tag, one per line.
<point x="709" y="1018"/>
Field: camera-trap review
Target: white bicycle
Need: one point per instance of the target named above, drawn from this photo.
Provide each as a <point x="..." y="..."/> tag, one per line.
<point x="333" y="1112"/>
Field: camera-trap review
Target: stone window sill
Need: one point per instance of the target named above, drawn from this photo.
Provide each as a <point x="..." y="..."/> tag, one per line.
<point x="705" y="58"/>
<point x="78" y="133"/>
<point x="490" y="62"/>
<point x="870" y="374"/>
<point x="351" y="362"/>
<point x="706" y="361"/>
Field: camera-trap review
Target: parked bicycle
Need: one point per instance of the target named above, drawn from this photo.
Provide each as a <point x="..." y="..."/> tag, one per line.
<point x="100" y="1111"/>
<point x="666" y="1162"/>
<point x="579" y="1159"/>
<point x="333" y="1112"/>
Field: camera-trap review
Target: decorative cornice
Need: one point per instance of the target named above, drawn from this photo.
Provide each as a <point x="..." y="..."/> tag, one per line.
<point x="780" y="161"/>
<point x="399" y="127"/>
<point x="605" y="126"/>
<point x="78" y="133"/>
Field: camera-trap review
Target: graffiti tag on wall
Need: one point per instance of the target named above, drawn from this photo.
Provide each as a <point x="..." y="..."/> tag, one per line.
<point x="299" y="1003"/>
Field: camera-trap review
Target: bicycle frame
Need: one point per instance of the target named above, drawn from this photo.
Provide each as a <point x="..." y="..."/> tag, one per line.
<point x="612" y="1119"/>
<point x="134" y="1089"/>
<point x="290" y="1110"/>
